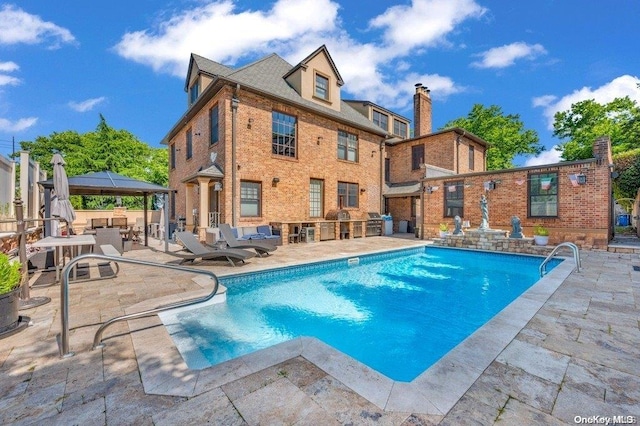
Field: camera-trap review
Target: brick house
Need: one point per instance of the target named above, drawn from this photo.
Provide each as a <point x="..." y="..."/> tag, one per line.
<point x="271" y="142"/>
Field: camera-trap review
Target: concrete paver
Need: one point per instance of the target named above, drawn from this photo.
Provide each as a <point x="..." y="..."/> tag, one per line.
<point x="577" y="356"/>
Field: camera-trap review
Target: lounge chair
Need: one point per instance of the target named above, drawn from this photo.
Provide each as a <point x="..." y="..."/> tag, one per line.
<point x="202" y="252"/>
<point x="262" y="248"/>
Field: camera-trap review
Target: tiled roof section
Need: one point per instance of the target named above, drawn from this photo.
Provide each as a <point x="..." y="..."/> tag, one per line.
<point x="266" y="75"/>
<point x="211" y="67"/>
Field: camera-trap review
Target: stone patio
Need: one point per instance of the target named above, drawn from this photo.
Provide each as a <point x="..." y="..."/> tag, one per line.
<point x="577" y="355"/>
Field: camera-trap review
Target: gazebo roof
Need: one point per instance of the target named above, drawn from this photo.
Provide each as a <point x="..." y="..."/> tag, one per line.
<point x="107" y="183"/>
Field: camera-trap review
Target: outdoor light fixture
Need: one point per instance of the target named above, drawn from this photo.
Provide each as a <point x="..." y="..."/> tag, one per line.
<point x="275" y="181"/>
<point x="249" y="123"/>
<point x="492" y="185"/>
<point x="362" y="190"/>
<point x="319" y="139"/>
<point x="373" y="152"/>
<point x="217" y="186"/>
<point x="197" y="134"/>
<point x="582" y="178"/>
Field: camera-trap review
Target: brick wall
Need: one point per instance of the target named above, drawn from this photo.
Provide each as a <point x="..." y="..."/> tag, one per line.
<point x="316" y="159"/>
<point x="583" y="211"/>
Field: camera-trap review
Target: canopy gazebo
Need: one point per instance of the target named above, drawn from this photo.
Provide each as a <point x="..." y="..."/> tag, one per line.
<point x="109" y="183"/>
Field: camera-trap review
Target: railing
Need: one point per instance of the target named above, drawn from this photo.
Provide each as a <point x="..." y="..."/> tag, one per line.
<point x="576" y="257"/>
<point x="214" y="219"/>
<point x="63" y="337"/>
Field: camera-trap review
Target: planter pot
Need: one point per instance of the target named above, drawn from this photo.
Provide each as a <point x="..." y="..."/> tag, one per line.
<point x="9" y="304"/>
<point x="443" y="234"/>
<point x="541" y="240"/>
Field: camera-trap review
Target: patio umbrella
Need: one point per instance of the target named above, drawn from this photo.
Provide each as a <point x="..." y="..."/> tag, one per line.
<point x="62" y="208"/>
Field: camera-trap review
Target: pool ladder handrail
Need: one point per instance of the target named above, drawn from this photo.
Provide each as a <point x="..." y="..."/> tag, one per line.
<point x="63" y="337"/>
<point x="576" y="257"/>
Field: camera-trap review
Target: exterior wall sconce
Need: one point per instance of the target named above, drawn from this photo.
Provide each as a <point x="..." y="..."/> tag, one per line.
<point x="217" y="186"/>
<point x="275" y="181"/>
<point x="492" y="185"/>
<point x="362" y="190"/>
<point x="373" y="152"/>
<point x="582" y="179"/>
<point x="196" y="134"/>
<point x="319" y="140"/>
<point x="249" y="123"/>
<point x="429" y="189"/>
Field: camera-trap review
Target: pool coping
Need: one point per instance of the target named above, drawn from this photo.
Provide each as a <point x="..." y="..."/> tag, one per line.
<point x="435" y="391"/>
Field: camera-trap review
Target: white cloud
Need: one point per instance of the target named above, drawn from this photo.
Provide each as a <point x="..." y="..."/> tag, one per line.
<point x="16" y="126"/>
<point x="237" y="34"/>
<point x="620" y="87"/>
<point x="7" y="80"/>
<point x="505" y="56"/>
<point x="423" y="23"/>
<point x="87" y="105"/>
<point x="18" y="26"/>
<point x="546" y="157"/>
<point x="295" y="28"/>
<point x="8" y="66"/>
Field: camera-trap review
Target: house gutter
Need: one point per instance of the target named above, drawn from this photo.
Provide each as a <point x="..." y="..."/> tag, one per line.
<point x="234" y="168"/>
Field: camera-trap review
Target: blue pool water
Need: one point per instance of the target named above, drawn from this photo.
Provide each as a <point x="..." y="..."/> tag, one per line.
<point x="397" y="312"/>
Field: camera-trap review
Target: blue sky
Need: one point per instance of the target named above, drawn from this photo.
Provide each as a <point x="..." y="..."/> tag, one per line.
<point x="64" y="63"/>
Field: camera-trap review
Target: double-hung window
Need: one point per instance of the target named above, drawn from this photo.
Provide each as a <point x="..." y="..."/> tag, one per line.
<point x="250" y="199"/>
<point x="214" y="125"/>
<point x="381" y="119"/>
<point x="543" y="194"/>
<point x="283" y="134"/>
<point x="399" y="128"/>
<point x="347" y="146"/>
<point x="322" y="87"/>
<point x="348" y="194"/>
<point x="454" y="198"/>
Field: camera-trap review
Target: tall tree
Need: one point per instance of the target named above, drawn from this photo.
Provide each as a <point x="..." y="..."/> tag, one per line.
<point x="588" y="120"/>
<point x="505" y="133"/>
<point x="105" y="148"/>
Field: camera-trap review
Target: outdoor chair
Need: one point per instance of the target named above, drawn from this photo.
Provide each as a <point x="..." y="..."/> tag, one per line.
<point x="262" y="248"/>
<point x="154" y="224"/>
<point x="202" y="252"/>
<point x="119" y="222"/>
<point x="101" y="222"/>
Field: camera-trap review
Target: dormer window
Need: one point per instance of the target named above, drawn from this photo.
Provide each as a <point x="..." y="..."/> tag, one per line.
<point x="322" y="87"/>
<point x="193" y="93"/>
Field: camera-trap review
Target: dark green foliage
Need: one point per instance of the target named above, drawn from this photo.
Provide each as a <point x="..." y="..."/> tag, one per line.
<point x="117" y="151"/>
<point x="505" y="133"/>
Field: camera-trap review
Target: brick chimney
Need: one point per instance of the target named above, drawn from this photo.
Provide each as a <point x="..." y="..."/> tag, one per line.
<point x="421" y="111"/>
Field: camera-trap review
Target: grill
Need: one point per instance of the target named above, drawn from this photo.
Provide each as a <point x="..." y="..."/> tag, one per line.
<point x="338" y="215"/>
<point x="374" y="224"/>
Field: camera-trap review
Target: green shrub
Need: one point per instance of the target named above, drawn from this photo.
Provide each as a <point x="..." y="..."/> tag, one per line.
<point x="10" y="274"/>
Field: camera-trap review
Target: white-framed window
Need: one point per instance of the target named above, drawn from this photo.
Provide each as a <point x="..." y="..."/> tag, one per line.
<point x="380" y="119"/>
<point x="316" y="196"/>
<point x="322" y="87"/>
<point x="283" y="134"/>
<point x="399" y="128"/>
<point x="347" y="146"/>
<point x="250" y="199"/>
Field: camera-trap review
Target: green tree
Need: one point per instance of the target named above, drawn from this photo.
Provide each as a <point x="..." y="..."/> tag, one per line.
<point x="588" y="120"/>
<point x="106" y="148"/>
<point x="505" y="133"/>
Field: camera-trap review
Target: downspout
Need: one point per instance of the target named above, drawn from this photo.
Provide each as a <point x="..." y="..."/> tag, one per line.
<point x="382" y="172"/>
<point x="234" y="112"/>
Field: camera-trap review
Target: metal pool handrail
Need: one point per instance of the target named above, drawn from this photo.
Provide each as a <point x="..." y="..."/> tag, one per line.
<point x="576" y="257"/>
<point x="63" y="337"/>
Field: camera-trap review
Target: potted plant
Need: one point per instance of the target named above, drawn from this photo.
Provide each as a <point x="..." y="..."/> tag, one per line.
<point x="444" y="230"/>
<point x="541" y="235"/>
<point x="10" y="280"/>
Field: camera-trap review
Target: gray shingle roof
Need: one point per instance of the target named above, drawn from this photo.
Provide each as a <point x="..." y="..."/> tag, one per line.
<point x="266" y="75"/>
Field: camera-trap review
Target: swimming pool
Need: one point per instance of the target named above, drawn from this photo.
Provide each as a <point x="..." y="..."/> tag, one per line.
<point x="397" y="312"/>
